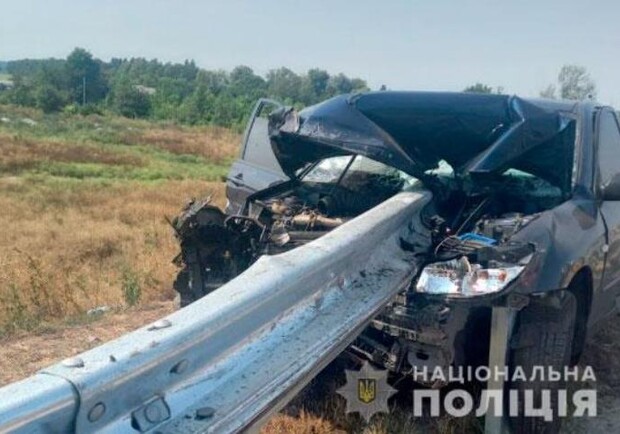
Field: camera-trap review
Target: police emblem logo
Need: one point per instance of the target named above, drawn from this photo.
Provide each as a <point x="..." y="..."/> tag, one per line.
<point x="366" y="390"/>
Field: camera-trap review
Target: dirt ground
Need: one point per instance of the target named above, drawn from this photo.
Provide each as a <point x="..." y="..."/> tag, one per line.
<point x="603" y="354"/>
<point x="26" y="353"/>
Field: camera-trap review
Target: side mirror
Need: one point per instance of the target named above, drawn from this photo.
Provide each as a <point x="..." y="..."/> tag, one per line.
<point x="611" y="190"/>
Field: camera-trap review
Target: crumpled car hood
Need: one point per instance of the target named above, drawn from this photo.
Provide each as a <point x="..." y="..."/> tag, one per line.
<point x="414" y="131"/>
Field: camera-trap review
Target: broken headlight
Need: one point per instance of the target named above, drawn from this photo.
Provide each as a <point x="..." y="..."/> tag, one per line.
<point x="460" y="277"/>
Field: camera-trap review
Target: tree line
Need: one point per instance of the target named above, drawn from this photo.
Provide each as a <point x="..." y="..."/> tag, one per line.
<point x="573" y="82"/>
<point x="142" y="88"/>
<point x="182" y="92"/>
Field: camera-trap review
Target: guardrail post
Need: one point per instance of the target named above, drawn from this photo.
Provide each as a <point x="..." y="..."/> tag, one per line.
<point x="502" y="322"/>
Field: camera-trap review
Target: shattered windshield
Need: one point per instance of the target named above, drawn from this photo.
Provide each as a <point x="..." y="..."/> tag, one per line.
<point x="442" y="169"/>
<point x="328" y="170"/>
<point x="355" y="171"/>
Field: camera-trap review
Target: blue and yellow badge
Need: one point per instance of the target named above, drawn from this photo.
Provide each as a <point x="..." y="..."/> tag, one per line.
<point x="367" y="391"/>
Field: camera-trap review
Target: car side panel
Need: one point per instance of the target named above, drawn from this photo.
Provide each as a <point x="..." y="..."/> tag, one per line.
<point x="257" y="167"/>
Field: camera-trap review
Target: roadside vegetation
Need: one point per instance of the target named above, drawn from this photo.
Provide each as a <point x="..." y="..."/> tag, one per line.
<point x="85" y="202"/>
<point x="150" y="89"/>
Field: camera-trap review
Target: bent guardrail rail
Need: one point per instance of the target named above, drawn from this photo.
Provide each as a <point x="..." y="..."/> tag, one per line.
<point x="229" y="361"/>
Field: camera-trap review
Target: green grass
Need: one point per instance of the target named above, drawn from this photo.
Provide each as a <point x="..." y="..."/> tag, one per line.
<point x="110" y="147"/>
<point x="105" y="128"/>
<point x="156" y="169"/>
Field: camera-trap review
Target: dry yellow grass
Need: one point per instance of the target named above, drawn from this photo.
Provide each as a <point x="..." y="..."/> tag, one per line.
<point x="304" y="423"/>
<point x="84" y="202"/>
<point x="214" y="143"/>
<point x="68" y="247"/>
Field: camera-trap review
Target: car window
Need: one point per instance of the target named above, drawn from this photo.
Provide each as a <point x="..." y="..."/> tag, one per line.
<point x="608" y="147"/>
<point x="330" y="170"/>
<point x="364" y="168"/>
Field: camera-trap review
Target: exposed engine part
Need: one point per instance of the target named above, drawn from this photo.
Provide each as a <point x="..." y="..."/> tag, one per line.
<point x="487" y="234"/>
<point x="347" y="203"/>
<point x="314" y="220"/>
<point x="504" y="227"/>
<point x="215" y="247"/>
<point x="453" y="246"/>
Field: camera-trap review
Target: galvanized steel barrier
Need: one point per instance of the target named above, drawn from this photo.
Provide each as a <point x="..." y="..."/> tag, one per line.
<point x="229" y="361"/>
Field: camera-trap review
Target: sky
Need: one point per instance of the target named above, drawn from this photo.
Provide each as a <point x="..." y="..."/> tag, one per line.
<point x="407" y="45"/>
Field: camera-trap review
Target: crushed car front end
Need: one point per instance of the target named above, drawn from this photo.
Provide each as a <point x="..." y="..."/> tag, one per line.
<point x="501" y="171"/>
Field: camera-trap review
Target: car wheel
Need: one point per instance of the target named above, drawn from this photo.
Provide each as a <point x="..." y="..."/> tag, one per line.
<point x="542" y="337"/>
<point x="189" y="291"/>
<point x="181" y="286"/>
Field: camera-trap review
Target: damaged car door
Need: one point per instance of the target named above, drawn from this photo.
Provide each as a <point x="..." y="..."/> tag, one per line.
<point x="257" y="167"/>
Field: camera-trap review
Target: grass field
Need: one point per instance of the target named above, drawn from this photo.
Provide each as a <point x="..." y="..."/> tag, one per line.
<point x="85" y="201"/>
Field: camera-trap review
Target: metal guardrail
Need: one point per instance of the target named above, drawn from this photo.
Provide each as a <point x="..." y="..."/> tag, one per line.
<point x="229" y="361"/>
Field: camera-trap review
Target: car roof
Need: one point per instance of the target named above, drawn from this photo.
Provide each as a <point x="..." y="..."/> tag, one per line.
<point x="546" y="103"/>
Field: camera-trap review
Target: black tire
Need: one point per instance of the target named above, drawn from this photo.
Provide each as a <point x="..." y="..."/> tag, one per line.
<point x="188" y="291"/>
<point x="181" y="286"/>
<point x="543" y="337"/>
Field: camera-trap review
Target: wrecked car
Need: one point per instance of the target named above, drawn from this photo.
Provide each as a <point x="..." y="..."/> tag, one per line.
<point x="525" y="213"/>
